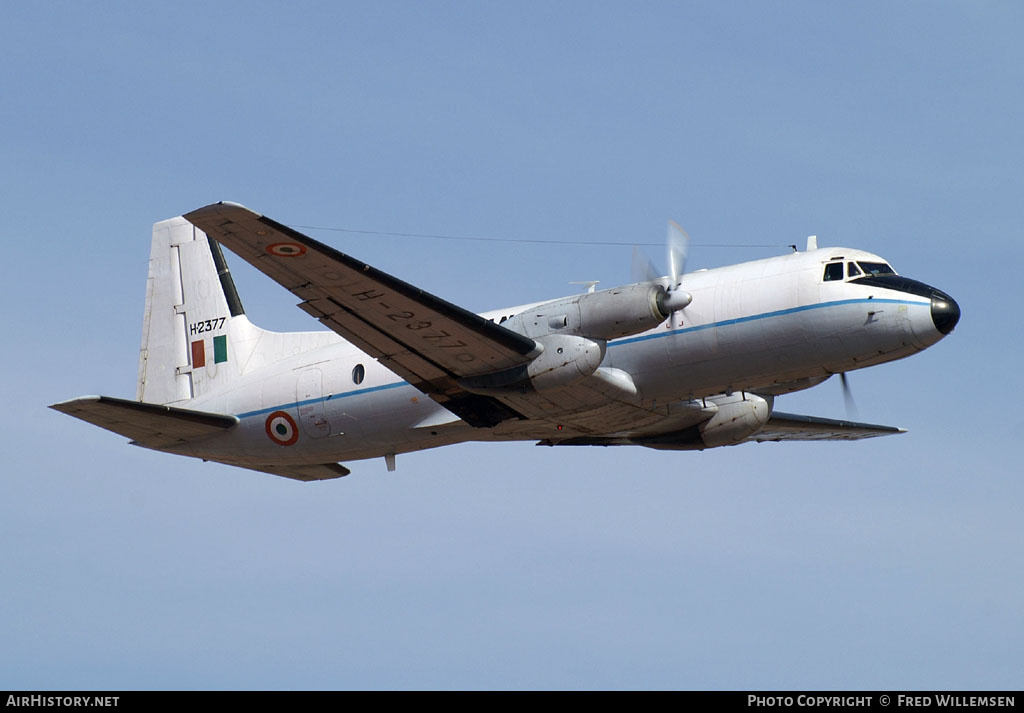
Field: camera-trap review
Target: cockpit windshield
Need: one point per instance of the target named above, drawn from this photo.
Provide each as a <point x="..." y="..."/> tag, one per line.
<point x="854" y="270"/>
<point x="876" y="268"/>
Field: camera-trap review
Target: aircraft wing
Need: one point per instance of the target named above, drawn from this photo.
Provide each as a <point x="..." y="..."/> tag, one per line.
<point x="780" y="427"/>
<point x="149" y="425"/>
<point x="793" y="427"/>
<point x="427" y="341"/>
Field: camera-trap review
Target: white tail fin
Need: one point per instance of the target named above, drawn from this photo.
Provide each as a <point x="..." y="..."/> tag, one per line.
<point x="195" y="335"/>
<point x="192" y="323"/>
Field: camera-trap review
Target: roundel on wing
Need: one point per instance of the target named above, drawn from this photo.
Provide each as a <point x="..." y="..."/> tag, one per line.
<point x="286" y="249"/>
<point x="282" y="429"/>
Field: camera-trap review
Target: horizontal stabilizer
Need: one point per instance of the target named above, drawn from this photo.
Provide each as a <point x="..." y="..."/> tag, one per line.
<point x="149" y="425"/>
<point x="793" y="427"/>
<point x="317" y="471"/>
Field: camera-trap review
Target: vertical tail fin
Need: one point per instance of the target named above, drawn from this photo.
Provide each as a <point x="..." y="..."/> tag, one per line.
<point x="195" y="335"/>
<point x="194" y="330"/>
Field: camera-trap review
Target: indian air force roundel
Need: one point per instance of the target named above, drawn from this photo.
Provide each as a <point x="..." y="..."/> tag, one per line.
<point x="286" y="249"/>
<point x="281" y="429"/>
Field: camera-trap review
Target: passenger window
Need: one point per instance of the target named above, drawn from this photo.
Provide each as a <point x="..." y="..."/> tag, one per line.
<point x="833" y="271"/>
<point x="853" y="270"/>
<point x="358" y="372"/>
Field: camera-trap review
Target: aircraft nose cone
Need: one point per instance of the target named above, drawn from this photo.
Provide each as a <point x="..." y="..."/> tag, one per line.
<point x="945" y="312"/>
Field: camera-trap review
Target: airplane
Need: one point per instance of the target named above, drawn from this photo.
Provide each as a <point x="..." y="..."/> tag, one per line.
<point x="678" y="362"/>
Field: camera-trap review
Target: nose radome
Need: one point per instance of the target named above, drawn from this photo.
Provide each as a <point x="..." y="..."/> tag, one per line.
<point x="945" y="312"/>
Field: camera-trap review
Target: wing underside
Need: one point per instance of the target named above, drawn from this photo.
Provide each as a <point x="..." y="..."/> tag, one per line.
<point x="794" y="427"/>
<point x="780" y="427"/>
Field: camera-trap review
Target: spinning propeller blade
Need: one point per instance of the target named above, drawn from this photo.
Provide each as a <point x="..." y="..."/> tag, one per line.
<point x="851" y="405"/>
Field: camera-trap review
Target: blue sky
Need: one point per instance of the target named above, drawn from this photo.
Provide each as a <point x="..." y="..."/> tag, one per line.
<point x="893" y="127"/>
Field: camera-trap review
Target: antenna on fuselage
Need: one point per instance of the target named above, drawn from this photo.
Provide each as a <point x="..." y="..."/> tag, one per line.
<point x="590" y="284"/>
<point x="812" y="242"/>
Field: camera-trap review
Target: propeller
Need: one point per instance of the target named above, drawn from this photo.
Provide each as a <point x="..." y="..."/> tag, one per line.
<point x="677" y="244"/>
<point x="642" y="269"/>
<point x="851" y="405"/>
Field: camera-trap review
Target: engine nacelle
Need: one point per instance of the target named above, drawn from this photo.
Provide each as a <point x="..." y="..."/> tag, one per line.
<point x="738" y="416"/>
<point x="622" y="311"/>
<point x="574" y="333"/>
<point x="733" y="418"/>
<point x="604" y="315"/>
<point x="565" y="360"/>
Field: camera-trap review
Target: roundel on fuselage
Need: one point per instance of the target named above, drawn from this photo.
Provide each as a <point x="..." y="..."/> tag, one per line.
<point x="281" y="429"/>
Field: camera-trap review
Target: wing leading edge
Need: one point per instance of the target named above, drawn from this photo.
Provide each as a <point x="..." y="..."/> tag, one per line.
<point x="429" y="342"/>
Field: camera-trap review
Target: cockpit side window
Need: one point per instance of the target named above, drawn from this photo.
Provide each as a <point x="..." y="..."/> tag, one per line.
<point x="876" y="268"/>
<point x="852" y="270"/>
<point x="833" y="272"/>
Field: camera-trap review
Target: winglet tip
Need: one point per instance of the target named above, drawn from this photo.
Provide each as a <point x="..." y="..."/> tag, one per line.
<point x="219" y="208"/>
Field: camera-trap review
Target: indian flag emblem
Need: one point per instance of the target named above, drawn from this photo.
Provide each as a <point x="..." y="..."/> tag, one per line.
<point x="281" y="429"/>
<point x="220" y="351"/>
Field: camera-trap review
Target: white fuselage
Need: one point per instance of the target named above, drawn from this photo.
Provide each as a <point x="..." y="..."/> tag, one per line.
<point x="768" y="326"/>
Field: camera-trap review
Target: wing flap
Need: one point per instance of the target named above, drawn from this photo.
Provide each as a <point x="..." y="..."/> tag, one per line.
<point x="150" y="425"/>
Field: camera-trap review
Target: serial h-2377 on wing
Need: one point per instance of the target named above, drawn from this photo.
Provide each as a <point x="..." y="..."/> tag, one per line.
<point x="683" y="362"/>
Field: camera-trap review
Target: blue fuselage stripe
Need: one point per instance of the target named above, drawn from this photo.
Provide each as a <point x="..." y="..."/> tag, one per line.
<point x="765" y="315"/>
<point x="617" y="343"/>
<point x="296" y="404"/>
